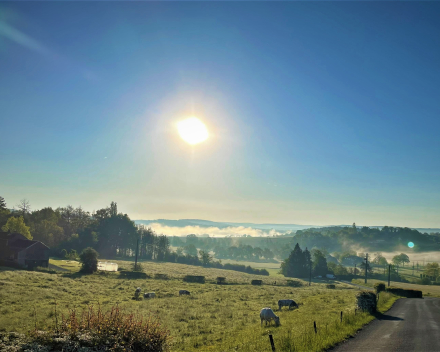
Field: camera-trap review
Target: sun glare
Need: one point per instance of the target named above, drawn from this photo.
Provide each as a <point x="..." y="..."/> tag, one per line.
<point x="192" y="130"/>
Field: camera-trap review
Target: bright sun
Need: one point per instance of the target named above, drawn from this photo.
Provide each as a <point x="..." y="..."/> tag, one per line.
<point x="192" y="130"/>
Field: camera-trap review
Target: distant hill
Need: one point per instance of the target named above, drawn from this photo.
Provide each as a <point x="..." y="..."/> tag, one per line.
<point x="264" y="227"/>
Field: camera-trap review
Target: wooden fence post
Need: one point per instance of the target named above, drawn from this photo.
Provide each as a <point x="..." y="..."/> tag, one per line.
<point x="272" y="343"/>
<point x="341" y="316"/>
<point x="314" y="325"/>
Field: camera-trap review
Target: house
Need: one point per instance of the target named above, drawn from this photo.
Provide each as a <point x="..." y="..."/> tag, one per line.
<point x="16" y="249"/>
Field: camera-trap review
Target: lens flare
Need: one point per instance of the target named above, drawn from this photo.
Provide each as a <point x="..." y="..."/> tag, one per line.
<point x="410" y="244"/>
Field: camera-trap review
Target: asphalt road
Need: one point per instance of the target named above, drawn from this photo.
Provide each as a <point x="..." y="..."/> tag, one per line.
<point x="412" y="324"/>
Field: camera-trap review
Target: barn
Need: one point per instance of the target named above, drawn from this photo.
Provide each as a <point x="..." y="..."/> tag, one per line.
<point x="17" y="250"/>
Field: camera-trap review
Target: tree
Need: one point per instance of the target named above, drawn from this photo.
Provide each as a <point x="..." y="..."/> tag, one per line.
<point x="2" y="203"/>
<point x="404" y="259"/>
<point x="89" y="260"/>
<point x="24" y="207"/>
<point x="295" y="265"/>
<point x="17" y="225"/>
<point x="379" y="259"/>
<point x="190" y="250"/>
<point x="432" y="270"/>
<point x="369" y="268"/>
<point x="319" y="263"/>
<point x="205" y="257"/>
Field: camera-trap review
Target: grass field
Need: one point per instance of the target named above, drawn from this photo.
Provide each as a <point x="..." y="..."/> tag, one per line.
<point x="213" y="318"/>
<point x="428" y="290"/>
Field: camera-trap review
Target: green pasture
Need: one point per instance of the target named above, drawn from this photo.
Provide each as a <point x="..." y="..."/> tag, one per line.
<point x="214" y="318"/>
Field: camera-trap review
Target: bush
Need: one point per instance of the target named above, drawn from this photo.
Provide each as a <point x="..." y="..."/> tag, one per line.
<point x="366" y="301"/>
<point x="192" y="278"/>
<point x="257" y="282"/>
<point x="331" y="286"/>
<point x="111" y="331"/>
<point x="221" y="280"/>
<point x="294" y="283"/>
<point x="161" y="276"/>
<point x="379" y="287"/>
<point x="89" y="260"/>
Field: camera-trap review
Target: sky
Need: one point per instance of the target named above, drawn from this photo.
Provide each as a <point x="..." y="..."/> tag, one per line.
<point x="318" y="112"/>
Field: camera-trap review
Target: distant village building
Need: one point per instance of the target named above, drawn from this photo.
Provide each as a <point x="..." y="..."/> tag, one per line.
<point x="15" y="249"/>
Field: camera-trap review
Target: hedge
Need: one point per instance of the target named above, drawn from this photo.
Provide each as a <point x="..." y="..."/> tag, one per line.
<point x="257" y="282"/>
<point x="133" y="274"/>
<point x="404" y="292"/>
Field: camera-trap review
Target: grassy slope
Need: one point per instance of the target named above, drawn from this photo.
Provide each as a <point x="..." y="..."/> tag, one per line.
<point x="213" y="318"/>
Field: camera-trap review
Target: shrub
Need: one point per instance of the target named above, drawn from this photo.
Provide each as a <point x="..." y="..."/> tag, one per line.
<point x="111" y="331"/>
<point x="257" y="282"/>
<point x="331" y="286"/>
<point x="192" y="278"/>
<point x="89" y="260"/>
<point x="366" y="301"/>
<point x="161" y="276"/>
<point x="294" y="283"/>
<point x="221" y="280"/>
<point x="379" y="287"/>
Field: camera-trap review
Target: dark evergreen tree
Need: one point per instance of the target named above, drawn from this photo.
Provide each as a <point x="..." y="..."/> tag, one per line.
<point x="319" y="263"/>
<point x="295" y="265"/>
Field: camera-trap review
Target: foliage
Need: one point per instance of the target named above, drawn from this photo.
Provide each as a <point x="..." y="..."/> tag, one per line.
<point x="221" y="280"/>
<point x="205" y="257"/>
<point x="89" y="260"/>
<point x="379" y="259"/>
<point x="296" y="265"/>
<point x="408" y="293"/>
<point x="402" y="258"/>
<point x="137" y="267"/>
<point x="366" y="301"/>
<point x="17" y="225"/>
<point x="257" y="282"/>
<point x="425" y="281"/>
<point x="319" y="263"/>
<point x="294" y="283"/>
<point x="379" y="287"/>
<point x="337" y="269"/>
<point x="2" y="204"/>
<point x="432" y="270"/>
<point x="331" y="286"/>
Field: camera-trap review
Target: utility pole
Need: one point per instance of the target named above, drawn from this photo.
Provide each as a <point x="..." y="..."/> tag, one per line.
<point x="136" y="258"/>
<point x="310" y="273"/>
<point x="389" y="274"/>
<point x="366" y="266"/>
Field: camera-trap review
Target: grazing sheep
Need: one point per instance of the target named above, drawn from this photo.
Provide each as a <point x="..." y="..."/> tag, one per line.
<point x="150" y="295"/>
<point x="184" y="292"/>
<point x="268" y="315"/>
<point x="287" y="303"/>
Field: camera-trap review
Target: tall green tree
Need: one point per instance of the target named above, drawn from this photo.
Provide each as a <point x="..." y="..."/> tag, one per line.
<point x="295" y="265"/>
<point x="17" y="225"/>
<point x="205" y="257"/>
<point x="319" y="263"/>
<point x="89" y="260"/>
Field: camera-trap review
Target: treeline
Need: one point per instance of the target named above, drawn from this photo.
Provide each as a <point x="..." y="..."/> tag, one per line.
<point x="68" y="230"/>
<point x="386" y="239"/>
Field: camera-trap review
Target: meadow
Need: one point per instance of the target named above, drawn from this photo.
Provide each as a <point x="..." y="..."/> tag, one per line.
<point x="214" y="318"/>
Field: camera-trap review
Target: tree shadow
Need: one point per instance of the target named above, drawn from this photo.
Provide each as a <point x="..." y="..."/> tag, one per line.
<point x="380" y="316"/>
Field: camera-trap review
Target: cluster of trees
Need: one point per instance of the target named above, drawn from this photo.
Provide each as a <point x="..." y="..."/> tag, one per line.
<point x="300" y="263"/>
<point x="69" y="231"/>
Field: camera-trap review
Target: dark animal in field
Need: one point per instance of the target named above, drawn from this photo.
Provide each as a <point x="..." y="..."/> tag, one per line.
<point x="287" y="303"/>
<point x="150" y="295"/>
<point x="184" y="292"/>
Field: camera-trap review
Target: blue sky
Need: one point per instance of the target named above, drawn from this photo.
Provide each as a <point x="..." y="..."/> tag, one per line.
<point x="318" y="112"/>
